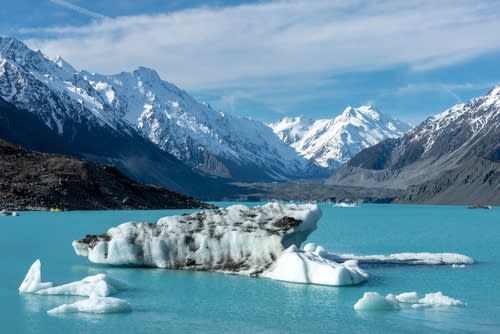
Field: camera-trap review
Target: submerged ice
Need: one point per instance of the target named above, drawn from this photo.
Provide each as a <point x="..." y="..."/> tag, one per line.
<point x="236" y="239"/>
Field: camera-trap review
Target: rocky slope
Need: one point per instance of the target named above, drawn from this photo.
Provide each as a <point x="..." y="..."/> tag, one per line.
<point x="332" y="142"/>
<point x="476" y="182"/>
<point x="453" y="142"/>
<point x="37" y="181"/>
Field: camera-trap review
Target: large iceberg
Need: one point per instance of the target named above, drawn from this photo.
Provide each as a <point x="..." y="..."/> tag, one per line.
<point x="308" y="267"/>
<point x="236" y="239"/>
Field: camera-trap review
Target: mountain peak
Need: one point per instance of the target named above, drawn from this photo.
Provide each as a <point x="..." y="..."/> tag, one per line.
<point x="331" y="142"/>
<point x="147" y="73"/>
<point x="63" y="64"/>
<point x="363" y="112"/>
<point x="13" y="49"/>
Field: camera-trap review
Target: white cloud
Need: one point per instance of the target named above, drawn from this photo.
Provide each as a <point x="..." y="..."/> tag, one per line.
<point x="207" y="48"/>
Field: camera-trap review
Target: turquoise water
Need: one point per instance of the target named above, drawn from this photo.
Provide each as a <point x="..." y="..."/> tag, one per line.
<point x="170" y="301"/>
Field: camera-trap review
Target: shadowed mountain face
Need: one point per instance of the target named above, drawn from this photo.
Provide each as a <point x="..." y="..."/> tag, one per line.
<point x="451" y="143"/>
<point x="135" y="156"/>
<point x="32" y="180"/>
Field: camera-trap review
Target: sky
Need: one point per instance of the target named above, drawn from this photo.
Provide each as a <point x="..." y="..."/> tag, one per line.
<point x="270" y="59"/>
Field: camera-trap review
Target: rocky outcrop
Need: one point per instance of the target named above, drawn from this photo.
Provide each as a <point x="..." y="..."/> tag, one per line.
<point x="32" y="181"/>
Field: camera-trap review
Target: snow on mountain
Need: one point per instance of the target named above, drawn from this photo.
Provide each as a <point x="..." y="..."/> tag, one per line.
<point x="212" y="141"/>
<point x="458" y="140"/>
<point x="140" y="102"/>
<point x="470" y="120"/>
<point x="332" y="142"/>
<point x="53" y="90"/>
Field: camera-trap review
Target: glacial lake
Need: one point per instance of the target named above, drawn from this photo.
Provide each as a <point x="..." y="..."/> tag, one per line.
<point x="173" y="301"/>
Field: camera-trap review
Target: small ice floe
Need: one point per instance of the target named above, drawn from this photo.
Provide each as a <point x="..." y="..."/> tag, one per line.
<point x="437" y="299"/>
<point x="372" y="301"/>
<point x="308" y="266"/>
<point x="97" y="287"/>
<point x="345" y="205"/>
<point x="94" y="304"/>
<point x="101" y="285"/>
<point x="8" y="213"/>
<point x="33" y="280"/>
<point x="424" y="258"/>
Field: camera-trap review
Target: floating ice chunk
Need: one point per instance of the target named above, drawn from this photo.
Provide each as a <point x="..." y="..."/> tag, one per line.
<point x="304" y="267"/>
<point x="408" y="297"/>
<point x="33" y="280"/>
<point x="101" y="285"/>
<point x="94" y="304"/>
<point x="407" y="258"/>
<point x="237" y="239"/>
<point x="372" y="301"/>
<point x="437" y="299"/>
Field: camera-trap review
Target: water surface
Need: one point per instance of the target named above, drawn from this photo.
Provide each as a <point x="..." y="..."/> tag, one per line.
<point x="173" y="301"/>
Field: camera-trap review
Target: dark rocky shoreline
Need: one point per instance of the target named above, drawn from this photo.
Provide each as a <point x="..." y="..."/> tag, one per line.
<point x="37" y="181"/>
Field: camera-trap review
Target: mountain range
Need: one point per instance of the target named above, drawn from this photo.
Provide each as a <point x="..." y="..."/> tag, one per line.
<point x="332" y="142"/>
<point x="156" y="133"/>
<point x="126" y="119"/>
<point x="453" y="157"/>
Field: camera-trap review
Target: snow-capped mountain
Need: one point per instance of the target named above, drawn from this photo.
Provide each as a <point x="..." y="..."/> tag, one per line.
<point x="139" y="102"/>
<point x="459" y="137"/>
<point x="48" y="106"/>
<point x="214" y="142"/>
<point x="332" y="142"/>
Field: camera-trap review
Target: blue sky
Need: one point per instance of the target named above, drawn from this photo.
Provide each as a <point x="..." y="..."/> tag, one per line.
<point x="270" y="59"/>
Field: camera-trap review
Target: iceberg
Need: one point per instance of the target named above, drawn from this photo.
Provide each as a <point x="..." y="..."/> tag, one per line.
<point x="94" y="304"/>
<point x="100" y="285"/>
<point x="437" y="299"/>
<point x="372" y="301"/>
<point x="236" y="239"/>
<point x="307" y="267"/>
<point x="33" y="280"/>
